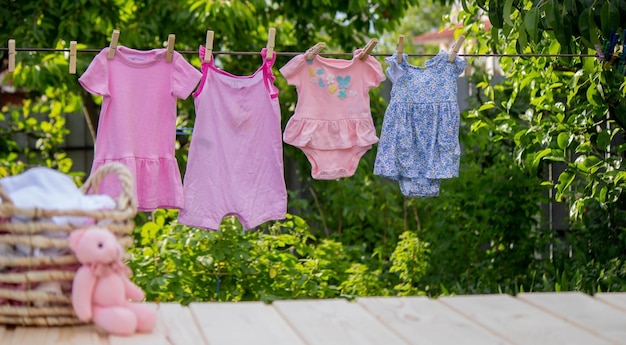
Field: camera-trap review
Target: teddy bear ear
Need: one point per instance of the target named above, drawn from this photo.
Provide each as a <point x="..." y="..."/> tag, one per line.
<point x="75" y="237"/>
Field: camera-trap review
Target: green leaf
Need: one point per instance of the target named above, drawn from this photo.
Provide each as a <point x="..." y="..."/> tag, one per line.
<point x="555" y="47"/>
<point x="565" y="30"/>
<point x="528" y="79"/>
<point x="603" y="140"/>
<point x="592" y="94"/>
<point x="563" y="140"/>
<point x="560" y="117"/>
<point x="539" y="155"/>
<point x="477" y="125"/>
<point x="486" y="106"/>
<point x="604" y="19"/>
<point x="591" y="161"/>
<point x="522" y="41"/>
<point x="583" y="147"/>
<point x="609" y="18"/>
<point x="465" y="7"/>
<point x="585" y="23"/>
<point x="552" y="10"/>
<point x="555" y="158"/>
<point x="602" y="195"/>
<point x="495" y="14"/>
<point x="518" y="137"/>
<point x="508" y="5"/>
<point x="565" y="180"/>
<point x="555" y="85"/>
<point x="494" y="38"/>
<point x="531" y="21"/>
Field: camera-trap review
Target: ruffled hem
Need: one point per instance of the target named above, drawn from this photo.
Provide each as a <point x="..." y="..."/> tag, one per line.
<point x="158" y="183"/>
<point x="330" y="134"/>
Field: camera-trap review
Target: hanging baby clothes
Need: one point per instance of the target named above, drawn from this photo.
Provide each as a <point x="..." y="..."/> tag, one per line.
<point x="137" y="124"/>
<point x="235" y="164"/>
<point x="419" y="141"/>
<point x="332" y="123"/>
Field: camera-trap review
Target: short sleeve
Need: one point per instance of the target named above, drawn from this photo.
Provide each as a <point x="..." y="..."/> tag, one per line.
<point x="185" y="77"/>
<point x="395" y="69"/>
<point x="291" y="68"/>
<point x="375" y="74"/>
<point x="95" y="79"/>
<point x="459" y="66"/>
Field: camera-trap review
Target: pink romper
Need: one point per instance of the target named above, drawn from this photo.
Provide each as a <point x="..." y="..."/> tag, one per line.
<point x="137" y="124"/>
<point x="235" y="164"/>
<point x="332" y="123"/>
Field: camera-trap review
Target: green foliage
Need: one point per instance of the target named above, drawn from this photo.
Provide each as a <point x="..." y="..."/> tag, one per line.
<point x="407" y="260"/>
<point x="30" y="138"/>
<point x="563" y="111"/>
<point x="574" y="24"/>
<point x="283" y="260"/>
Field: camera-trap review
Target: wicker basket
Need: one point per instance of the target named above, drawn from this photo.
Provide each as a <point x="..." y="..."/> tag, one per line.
<point x="26" y="305"/>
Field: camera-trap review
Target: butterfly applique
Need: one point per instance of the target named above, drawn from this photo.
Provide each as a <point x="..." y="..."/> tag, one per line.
<point x="343" y="82"/>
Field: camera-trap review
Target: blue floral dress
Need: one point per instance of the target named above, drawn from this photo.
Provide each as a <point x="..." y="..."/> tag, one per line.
<point x="419" y="141"/>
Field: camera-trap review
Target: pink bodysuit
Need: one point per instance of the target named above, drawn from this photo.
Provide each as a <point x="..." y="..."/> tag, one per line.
<point x="332" y="123"/>
<point x="235" y="164"/>
<point x="137" y="124"/>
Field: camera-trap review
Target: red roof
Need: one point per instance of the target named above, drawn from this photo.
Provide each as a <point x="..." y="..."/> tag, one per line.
<point x="445" y="34"/>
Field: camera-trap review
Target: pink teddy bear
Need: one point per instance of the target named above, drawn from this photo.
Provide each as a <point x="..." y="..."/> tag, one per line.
<point x="101" y="290"/>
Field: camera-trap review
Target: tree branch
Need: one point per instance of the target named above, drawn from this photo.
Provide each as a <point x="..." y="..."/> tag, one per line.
<point x="319" y="209"/>
<point x="91" y="111"/>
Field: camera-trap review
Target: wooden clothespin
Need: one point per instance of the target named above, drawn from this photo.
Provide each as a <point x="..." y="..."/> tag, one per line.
<point x="113" y="45"/>
<point x="11" y="55"/>
<point x="170" y="47"/>
<point x="72" y="57"/>
<point x="368" y="48"/>
<point x="400" y="48"/>
<point x="271" y="36"/>
<point x="314" y="50"/>
<point x="455" y="48"/>
<point x="208" y="46"/>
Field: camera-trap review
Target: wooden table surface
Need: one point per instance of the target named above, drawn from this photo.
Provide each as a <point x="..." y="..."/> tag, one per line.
<point x="529" y="318"/>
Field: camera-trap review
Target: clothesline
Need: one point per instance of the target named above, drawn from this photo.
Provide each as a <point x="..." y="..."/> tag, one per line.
<point x="188" y="131"/>
<point x="195" y="52"/>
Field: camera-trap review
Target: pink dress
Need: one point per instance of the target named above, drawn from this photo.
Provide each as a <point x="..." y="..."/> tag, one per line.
<point x="137" y="124"/>
<point x="332" y="123"/>
<point x="235" y="164"/>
